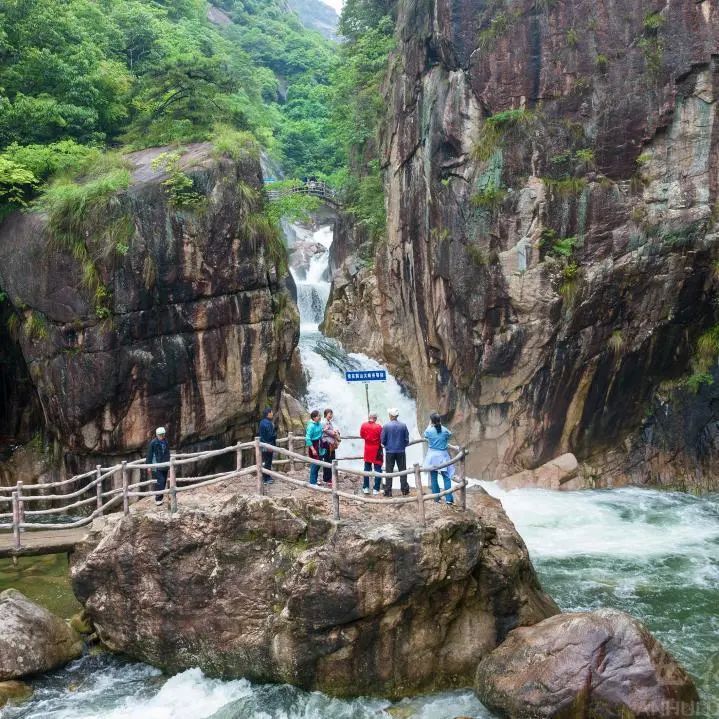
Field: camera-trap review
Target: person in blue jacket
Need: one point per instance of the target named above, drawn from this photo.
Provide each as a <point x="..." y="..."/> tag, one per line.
<point x="158" y="452"/>
<point x="437" y="436"/>
<point x="313" y="435"/>
<point x="395" y="439"/>
<point x="267" y="435"/>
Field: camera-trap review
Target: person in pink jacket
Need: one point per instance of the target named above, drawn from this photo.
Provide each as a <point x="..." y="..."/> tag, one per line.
<point x="371" y="432"/>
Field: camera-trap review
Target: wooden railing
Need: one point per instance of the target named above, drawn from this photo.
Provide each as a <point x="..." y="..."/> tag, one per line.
<point x="311" y="187"/>
<point x="109" y="488"/>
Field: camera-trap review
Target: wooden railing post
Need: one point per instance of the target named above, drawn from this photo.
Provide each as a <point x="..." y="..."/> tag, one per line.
<point x="463" y="479"/>
<point x="420" y="495"/>
<point x="258" y="462"/>
<point x="335" y="487"/>
<point x="98" y="488"/>
<point x="16" y="520"/>
<point x="291" y="448"/>
<point x="125" y="483"/>
<point x="173" y="487"/>
<point x="238" y="458"/>
<point x="20" y="503"/>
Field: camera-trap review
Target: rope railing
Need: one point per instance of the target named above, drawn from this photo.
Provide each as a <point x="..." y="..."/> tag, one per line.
<point x="122" y="490"/>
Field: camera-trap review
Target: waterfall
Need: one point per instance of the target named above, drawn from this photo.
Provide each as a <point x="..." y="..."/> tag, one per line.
<point x="324" y="360"/>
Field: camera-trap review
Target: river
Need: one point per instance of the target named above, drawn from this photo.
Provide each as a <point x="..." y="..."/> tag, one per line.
<point x="653" y="554"/>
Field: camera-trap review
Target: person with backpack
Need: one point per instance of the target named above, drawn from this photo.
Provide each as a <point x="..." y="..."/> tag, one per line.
<point x="313" y="436"/>
<point x="268" y="435"/>
<point x="330" y="442"/>
<point x="395" y="440"/>
<point x="158" y="452"/>
<point x="437" y="436"/>
<point x="371" y="433"/>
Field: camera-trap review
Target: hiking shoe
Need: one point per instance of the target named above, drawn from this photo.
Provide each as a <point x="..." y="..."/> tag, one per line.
<point x="365" y="490"/>
<point x="375" y="492"/>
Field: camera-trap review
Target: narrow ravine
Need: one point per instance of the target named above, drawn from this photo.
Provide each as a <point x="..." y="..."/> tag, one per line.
<point x="325" y="360"/>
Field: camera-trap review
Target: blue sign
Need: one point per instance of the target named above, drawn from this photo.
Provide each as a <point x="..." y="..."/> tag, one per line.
<point x="370" y="375"/>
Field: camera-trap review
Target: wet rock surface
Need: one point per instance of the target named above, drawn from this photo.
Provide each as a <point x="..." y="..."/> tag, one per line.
<point x="546" y="269"/>
<point x="32" y="639"/>
<point x="271" y="589"/>
<point x="603" y="664"/>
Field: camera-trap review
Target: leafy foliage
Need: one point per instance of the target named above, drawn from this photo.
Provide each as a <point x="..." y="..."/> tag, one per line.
<point x="86" y="216"/>
<point x="80" y="75"/>
<point x="489" y="197"/>
<point x="180" y="187"/>
<point x="499" y="128"/>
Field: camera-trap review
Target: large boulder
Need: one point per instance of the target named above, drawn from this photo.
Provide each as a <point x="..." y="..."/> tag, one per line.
<point x="271" y="589"/>
<point x="32" y="639"/>
<point x="561" y="473"/>
<point x="604" y="664"/>
<point x="198" y="324"/>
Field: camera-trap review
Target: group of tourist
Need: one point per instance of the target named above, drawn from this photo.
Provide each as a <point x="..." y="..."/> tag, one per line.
<point x="383" y="445"/>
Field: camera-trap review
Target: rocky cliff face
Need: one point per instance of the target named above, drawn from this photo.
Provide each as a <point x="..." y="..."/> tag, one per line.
<point x="270" y="589"/>
<point x="551" y="175"/>
<point x="196" y="324"/>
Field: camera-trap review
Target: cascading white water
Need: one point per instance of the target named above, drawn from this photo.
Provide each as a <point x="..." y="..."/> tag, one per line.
<point x="653" y="554"/>
<point x="326" y="386"/>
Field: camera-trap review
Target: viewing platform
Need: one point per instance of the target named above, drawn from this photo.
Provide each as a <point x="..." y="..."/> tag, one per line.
<point x="44" y="517"/>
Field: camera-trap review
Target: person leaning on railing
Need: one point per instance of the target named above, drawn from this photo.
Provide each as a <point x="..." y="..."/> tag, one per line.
<point x="158" y="452"/>
<point x="437" y="437"/>
<point x="313" y="435"/>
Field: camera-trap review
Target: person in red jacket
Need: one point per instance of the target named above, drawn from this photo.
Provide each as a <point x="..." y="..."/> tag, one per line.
<point x="370" y="432"/>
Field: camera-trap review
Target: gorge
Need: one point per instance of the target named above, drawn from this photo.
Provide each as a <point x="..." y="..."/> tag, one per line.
<point x="527" y="242"/>
<point x="548" y="269"/>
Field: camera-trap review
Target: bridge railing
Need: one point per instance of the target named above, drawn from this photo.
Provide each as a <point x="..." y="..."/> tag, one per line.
<point x="311" y="187"/>
<point x="110" y="488"/>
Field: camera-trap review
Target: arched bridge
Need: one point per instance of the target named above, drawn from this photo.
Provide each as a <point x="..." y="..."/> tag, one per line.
<point x="316" y="188"/>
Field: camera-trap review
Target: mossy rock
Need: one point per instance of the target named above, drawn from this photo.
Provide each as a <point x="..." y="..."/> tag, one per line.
<point x="81" y="624"/>
<point x="14" y="692"/>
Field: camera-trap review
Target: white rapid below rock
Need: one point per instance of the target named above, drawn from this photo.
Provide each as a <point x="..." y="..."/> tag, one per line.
<point x="653" y="554"/>
<point x="326" y="385"/>
<point x="107" y="688"/>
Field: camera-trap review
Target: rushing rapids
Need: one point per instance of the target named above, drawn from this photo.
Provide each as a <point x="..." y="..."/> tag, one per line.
<point x="325" y="360"/>
<point x="653" y="554"/>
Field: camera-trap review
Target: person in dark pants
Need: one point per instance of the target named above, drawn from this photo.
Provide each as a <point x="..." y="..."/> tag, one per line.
<point x="395" y="439"/>
<point x="268" y="435"/>
<point x="158" y="453"/>
<point x="330" y="441"/>
<point x="370" y="432"/>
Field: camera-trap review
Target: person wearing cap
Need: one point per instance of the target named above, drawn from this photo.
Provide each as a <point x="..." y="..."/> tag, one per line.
<point x="395" y="440"/>
<point x="267" y="433"/>
<point x="371" y="433"/>
<point x="158" y="453"/>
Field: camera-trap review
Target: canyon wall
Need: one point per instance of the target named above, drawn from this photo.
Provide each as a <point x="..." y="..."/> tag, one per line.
<point x="192" y="330"/>
<point x="551" y="177"/>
